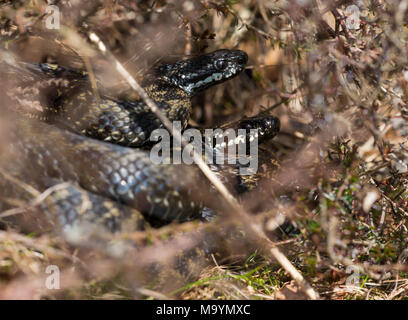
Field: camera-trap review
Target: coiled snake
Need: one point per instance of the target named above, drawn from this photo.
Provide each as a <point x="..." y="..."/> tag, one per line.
<point x="74" y="136"/>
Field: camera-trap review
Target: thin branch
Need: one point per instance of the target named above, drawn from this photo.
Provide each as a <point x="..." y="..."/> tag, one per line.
<point x="238" y="211"/>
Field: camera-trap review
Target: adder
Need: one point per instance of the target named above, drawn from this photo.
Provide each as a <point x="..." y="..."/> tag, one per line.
<point x="70" y="134"/>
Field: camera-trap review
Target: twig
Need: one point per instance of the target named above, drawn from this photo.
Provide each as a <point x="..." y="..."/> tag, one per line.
<point x="34" y="192"/>
<point x="238" y="211"/>
<point x="37" y="200"/>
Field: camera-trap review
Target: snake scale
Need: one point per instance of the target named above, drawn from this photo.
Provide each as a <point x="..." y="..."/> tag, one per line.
<point x="70" y="134"/>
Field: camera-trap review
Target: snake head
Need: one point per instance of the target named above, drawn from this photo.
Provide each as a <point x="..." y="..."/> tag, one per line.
<point x="197" y="74"/>
<point x="267" y="126"/>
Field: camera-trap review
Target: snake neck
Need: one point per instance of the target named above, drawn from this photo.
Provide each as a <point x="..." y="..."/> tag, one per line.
<point x="174" y="102"/>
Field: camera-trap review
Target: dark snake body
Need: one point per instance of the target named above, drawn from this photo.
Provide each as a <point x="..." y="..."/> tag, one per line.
<point x="107" y="180"/>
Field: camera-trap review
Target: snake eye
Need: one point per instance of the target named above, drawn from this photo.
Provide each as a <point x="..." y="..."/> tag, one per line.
<point x="220" y="64"/>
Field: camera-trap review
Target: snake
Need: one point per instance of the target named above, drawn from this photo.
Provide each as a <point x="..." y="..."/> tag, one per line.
<point x="97" y="147"/>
